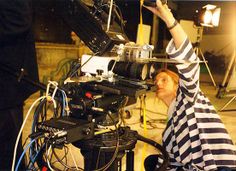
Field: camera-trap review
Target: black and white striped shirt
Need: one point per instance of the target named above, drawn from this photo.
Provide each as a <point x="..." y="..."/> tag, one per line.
<point x="195" y="137"/>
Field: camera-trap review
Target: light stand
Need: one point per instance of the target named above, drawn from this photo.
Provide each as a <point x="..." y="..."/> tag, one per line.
<point x="208" y="16"/>
<point x="232" y="61"/>
<point x="199" y="53"/>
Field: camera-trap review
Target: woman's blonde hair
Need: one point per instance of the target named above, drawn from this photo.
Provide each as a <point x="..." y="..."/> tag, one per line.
<point x="172" y="74"/>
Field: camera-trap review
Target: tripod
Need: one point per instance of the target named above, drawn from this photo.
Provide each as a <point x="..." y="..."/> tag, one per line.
<point x="199" y="53"/>
<point x="100" y="149"/>
<point x="232" y="61"/>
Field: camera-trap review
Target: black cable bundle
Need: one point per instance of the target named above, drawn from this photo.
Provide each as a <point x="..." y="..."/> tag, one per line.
<point x="158" y="147"/>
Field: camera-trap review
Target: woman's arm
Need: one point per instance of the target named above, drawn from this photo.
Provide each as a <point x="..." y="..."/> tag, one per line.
<point x="165" y="14"/>
<point x="180" y="48"/>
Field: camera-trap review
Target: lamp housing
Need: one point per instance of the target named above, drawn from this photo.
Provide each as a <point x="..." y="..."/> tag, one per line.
<point x="208" y="16"/>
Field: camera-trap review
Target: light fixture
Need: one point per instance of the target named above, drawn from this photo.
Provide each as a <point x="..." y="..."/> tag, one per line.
<point x="210" y="16"/>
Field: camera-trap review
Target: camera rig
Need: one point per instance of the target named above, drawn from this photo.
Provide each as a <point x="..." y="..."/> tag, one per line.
<point x="82" y="110"/>
<point x="88" y="112"/>
<point x="93" y="106"/>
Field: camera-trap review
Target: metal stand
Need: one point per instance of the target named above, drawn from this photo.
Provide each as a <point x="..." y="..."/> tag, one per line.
<point x="222" y="109"/>
<point x="199" y="53"/>
<point x="232" y="61"/>
<point x="98" y="151"/>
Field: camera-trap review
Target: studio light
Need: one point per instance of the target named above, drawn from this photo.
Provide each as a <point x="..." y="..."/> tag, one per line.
<point x="209" y="16"/>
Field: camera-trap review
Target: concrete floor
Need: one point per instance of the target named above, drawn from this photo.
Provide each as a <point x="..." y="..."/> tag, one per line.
<point x="156" y="119"/>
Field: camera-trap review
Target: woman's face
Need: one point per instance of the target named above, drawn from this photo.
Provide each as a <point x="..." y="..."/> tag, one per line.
<point x="166" y="87"/>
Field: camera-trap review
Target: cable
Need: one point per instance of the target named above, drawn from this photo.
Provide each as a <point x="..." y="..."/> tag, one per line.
<point x="66" y="103"/>
<point x="98" y="158"/>
<point x="26" y="148"/>
<point x="120" y="17"/>
<point x="84" y="63"/>
<point x="158" y="147"/>
<point x="42" y="161"/>
<point x="157" y="113"/>
<point x="33" y="158"/>
<point x="143" y="107"/>
<point x="61" y="160"/>
<point x="48" y="97"/>
<point x="36" y="115"/>
<point x="22" y="155"/>
<point x="72" y="156"/>
<point x="20" y="132"/>
<point x="36" y="148"/>
<point x="73" y="70"/>
<point x="23" y="144"/>
<point x="48" y="162"/>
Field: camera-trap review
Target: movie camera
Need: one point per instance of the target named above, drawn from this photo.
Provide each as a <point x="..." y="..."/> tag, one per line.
<point x="86" y="106"/>
<point x="95" y="103"/>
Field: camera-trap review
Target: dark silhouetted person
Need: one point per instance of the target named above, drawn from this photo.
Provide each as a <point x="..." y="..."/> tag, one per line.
<point x="17" y="51"/>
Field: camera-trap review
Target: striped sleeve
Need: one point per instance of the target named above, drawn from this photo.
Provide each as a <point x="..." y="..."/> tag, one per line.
<point x="188" y="72"/>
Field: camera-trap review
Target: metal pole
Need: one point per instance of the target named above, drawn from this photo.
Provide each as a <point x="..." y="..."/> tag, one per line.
<point x="227" y="103"/>
<point x="232" y="61"/>
<point x="198" y="52"/>
<point x="130" y="160"/>
<point x="208" y="69"/>
<point x="109" y="16"/>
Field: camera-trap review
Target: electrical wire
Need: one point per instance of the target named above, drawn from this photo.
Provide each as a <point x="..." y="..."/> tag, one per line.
<point x="26" y="148"/>
<point x="43" y="156"/>
<point x="22" y="155"/>
<point x="73" y="158"/>
<point x="143" y="107"/>
<point x="153" y="112"/>
<point x="71" y="75"/>
<point x="65" y="105"/>
<point x="39" y="148"/>
<point x="48" y="97"/>
<point x="33" y="154"/>
<point x="23" y="144"/>
<point x="20" y="132"/>
<point x="73" y="70"/>
<point x="158" y="147"/>
<point x="33" y="158"/>
<point x="36" y="115"/>
<point x="99" y="8"/>
<point x="36" y="149"/>
<point x="119" y="14"/>
<point x="48" y="162"/>
<point x="61" y="160"/>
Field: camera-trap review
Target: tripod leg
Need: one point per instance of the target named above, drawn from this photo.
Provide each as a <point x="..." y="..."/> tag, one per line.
<point x="227" y="103"/>
<point x="129" y="160"/>
<point x="232" y="61"/>
<point x="222" y="88"/>
<point x="208" y="69"/>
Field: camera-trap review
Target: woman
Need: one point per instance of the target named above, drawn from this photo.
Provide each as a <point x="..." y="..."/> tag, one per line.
<point x="195" y="137"/>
